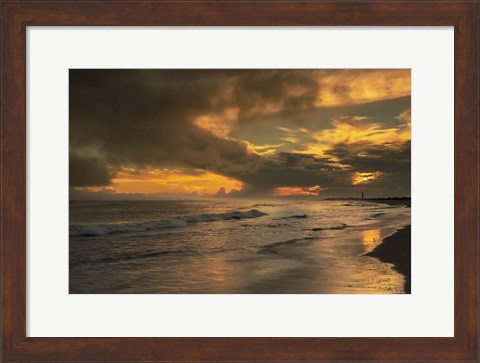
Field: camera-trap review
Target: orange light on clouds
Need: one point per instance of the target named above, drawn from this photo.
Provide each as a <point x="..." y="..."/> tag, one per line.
<point x="349" y="87"/>
<point x="365" y="178"/>
<point x="219" y="124"/>
<point x="266" y="149"/>
<point x="297" y="191"/>
<point x="359" y="130"/>
<point x="173" y="181"/>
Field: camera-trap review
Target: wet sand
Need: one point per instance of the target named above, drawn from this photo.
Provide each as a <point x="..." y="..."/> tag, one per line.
<point x="396" y="249"/>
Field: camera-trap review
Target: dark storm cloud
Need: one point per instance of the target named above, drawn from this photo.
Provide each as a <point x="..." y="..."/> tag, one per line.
<point x="393" y="162"/>
<point x="291" y="169"/>
<point x="288" y="91"/>
<point x="366" y="158"/>
<point x="86" y="171"/>
<point x="144" y="118"/>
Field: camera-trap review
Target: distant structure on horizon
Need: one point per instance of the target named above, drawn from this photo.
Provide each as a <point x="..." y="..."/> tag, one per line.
<point x="362" y="196"/>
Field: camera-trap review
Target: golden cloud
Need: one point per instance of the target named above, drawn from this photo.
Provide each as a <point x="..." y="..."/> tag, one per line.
<point x="350" y="87"/>
<point x="266" y="149"/>
<point x="297" y="191"/>
<point x="219" y="124"/>
<point x="356" y="130"/>
<point x="365" y="178"/>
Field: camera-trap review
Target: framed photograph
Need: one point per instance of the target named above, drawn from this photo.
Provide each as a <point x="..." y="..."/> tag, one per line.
<point x="261" y="187"/>
<point x="240" y="181"/>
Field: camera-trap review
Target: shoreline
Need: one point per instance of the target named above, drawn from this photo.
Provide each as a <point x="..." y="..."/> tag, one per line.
<point x="390" y="201"/>
<point x="396" y="249"/>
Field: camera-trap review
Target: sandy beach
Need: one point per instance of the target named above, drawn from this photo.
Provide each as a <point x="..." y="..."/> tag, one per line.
<point x="396" y="249"/>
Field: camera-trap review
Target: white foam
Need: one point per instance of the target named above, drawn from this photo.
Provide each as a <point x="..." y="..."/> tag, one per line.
<point x="109" y="228"/>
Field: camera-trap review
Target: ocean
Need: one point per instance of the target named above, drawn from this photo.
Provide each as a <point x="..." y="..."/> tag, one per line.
<point x="231" y="247"/>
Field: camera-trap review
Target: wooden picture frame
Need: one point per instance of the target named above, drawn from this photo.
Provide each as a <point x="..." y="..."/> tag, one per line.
<point x="18" y="15"/>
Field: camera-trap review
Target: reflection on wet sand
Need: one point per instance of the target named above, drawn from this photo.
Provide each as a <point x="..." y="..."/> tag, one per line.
<point x="371" y="239"/>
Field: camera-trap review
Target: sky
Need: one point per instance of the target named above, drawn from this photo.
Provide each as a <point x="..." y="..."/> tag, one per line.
<point x="182" y="134"/>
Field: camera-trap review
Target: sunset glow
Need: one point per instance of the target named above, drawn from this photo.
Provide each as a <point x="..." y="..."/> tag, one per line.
<point x="168" y="181"/>
<point x="218" y="124"/>
<point x="297" y="191"/>
<point x="350" y="87"/>
<point x="365" y="178"/>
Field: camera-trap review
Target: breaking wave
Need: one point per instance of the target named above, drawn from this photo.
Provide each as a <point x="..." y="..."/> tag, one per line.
<point x="110" y="228"/>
